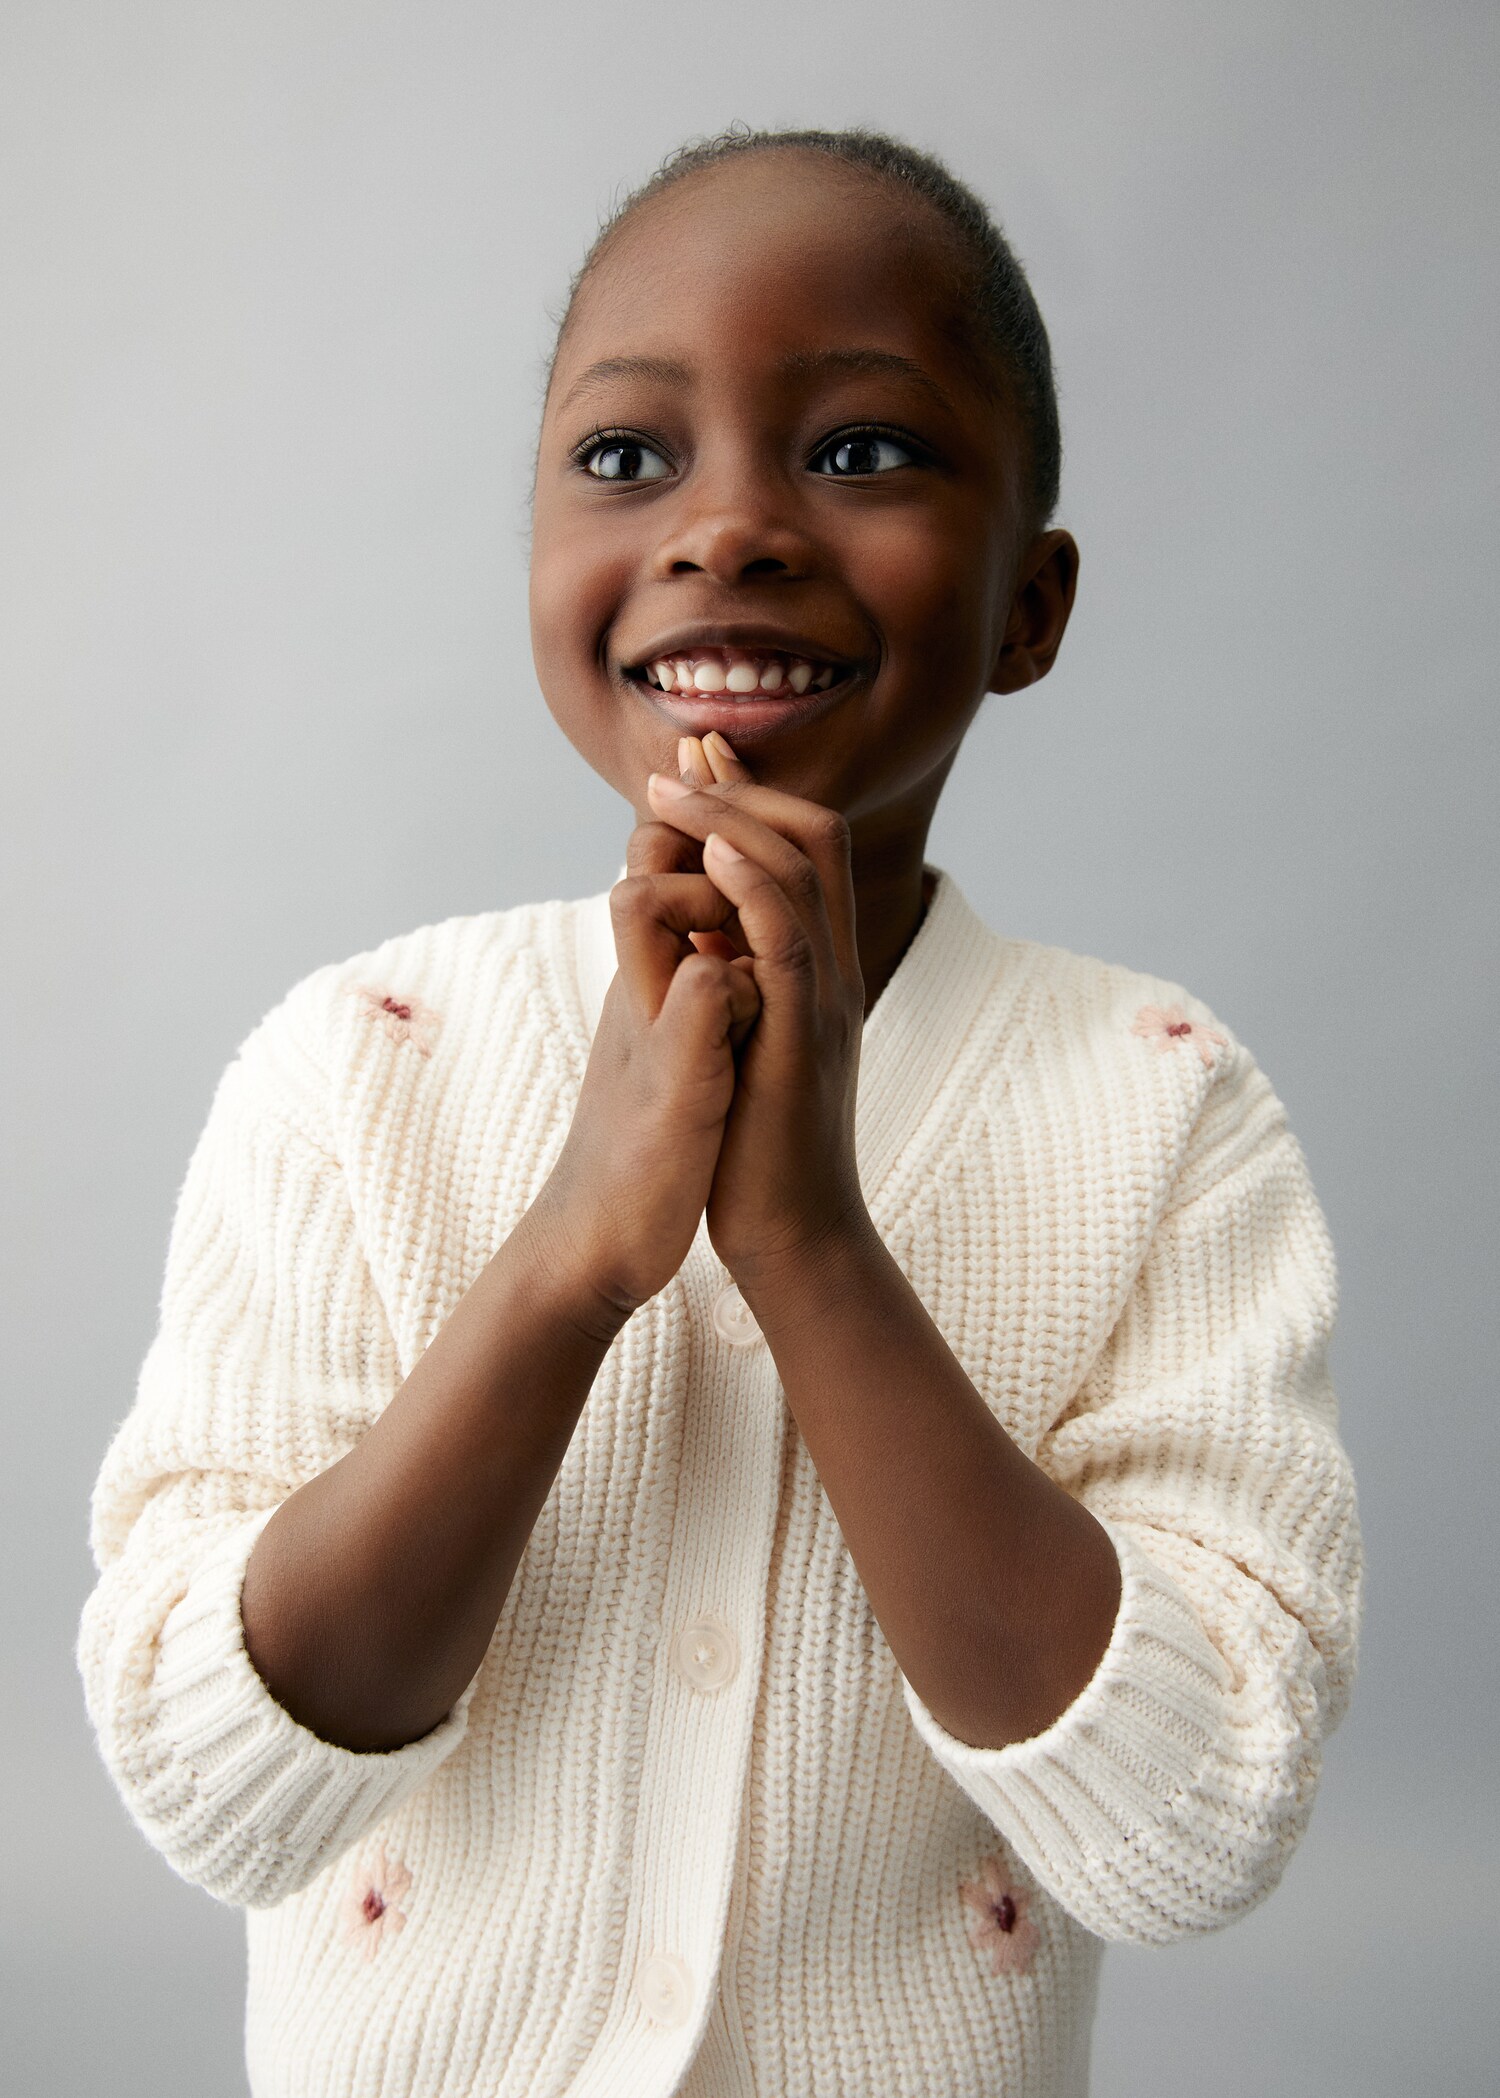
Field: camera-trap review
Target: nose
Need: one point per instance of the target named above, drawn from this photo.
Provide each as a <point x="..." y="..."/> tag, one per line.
<point x="733" y="526"/>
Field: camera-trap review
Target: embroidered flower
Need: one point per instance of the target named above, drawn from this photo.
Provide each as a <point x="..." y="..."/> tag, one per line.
<point x="369" y="1912"/>
<point x="1169" y="1026"/>
<point x="999" y="1928"/>
<point x="404" y="1019"/>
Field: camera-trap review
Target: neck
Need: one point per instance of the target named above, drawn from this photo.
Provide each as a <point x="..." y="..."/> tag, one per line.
<point x="887" y="847"/>
<point x="891" y="896"/>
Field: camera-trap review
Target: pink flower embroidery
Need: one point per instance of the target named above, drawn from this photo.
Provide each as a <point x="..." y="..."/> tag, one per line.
<point x="1167" y="1026"/>
<point x="369" y="1912"/>
<point x="404" y="1019"/>
<point x="998" y="1925"/>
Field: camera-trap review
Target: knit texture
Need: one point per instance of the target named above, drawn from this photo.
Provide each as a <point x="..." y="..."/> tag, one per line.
<point x="613" y="1871"/>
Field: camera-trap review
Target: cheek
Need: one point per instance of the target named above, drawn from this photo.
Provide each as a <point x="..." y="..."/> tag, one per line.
<point x="574" y="594"/>
<point x="934" y="614"/>
<point x="576" y="584"/>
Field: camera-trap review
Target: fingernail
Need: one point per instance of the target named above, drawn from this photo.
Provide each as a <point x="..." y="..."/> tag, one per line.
<point x="722" y="743"/>
<point x="726" y="850"/>
<point x="684" y="755"/>
<point x="671" y="789"/>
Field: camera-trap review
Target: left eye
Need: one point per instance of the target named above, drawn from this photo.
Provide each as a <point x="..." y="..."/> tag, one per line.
<point x="864" y="453"/>
<point x="620" y="460"/>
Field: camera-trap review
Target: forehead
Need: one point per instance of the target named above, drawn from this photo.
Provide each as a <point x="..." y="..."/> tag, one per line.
<point x="773" y="252"/>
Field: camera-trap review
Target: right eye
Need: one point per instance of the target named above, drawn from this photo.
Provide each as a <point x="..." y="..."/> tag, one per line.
<point x="622" y="459"/>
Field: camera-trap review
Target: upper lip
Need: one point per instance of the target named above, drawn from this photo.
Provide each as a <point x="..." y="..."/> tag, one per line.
<point x="769" y="640"/>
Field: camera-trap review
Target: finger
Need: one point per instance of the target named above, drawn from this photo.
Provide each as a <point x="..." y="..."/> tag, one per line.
<point x="784" y="953"/>
<point x="693" y="762"/>
<point x="817" y="835"/>
<point x="705" y="990"/>
<point x="729" y="768"/>
<point x="661" y="848"/>
<point x="803" y="845"/>
<point x="725" y="761"/>
<point x="744" y="999"/>
<point x="718" y="944"/>
<point x="653" y="916"/>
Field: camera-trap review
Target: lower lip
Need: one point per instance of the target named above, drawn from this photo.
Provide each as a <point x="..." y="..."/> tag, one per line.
<point x="749" y="719"/>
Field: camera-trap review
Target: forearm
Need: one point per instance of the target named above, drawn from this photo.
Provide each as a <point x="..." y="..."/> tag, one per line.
<point x="995" y="1589"/>
<point x="372" y="1594"/>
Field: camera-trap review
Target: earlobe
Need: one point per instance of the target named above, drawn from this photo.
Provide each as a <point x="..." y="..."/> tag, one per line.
<point x="1046" y="583"/>
<point x="1013" y="667"/>
<point x="1015" y="664"/>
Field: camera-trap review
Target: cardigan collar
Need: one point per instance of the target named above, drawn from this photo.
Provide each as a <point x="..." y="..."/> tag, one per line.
<point x="914" y="1033"/>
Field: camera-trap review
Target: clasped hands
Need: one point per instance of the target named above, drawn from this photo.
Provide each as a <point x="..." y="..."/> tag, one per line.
<point x="722" y="1079"/>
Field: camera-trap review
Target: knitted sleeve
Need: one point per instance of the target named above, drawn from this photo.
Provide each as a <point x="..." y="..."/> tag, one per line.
<point x="1167" y="1799"/>
<point x="271" y="1358"/>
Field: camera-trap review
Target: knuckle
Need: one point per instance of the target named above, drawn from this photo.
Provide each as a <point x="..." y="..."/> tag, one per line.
<point x="792" y="954"/>
<point x="804" y="882"/>
<point x="704" y="976"/>
<point x="698" y="970"/>
<point x="632" y="899"/>
<point x="654" y="848"/>
<point x="845" y="1026"/>
<point x="831" y="831"/>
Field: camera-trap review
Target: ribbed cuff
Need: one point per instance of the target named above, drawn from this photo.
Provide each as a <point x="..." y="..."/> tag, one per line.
<point x="1092" y="1801"/>
<point x="248" y="1802"/>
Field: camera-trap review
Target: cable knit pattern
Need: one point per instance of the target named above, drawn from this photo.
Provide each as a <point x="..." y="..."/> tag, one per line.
<point x="630" y="1862"/>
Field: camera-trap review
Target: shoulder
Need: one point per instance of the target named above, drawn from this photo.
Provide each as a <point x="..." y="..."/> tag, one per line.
<point x="1141" y="1056"/>
<point x="1095" y="999"/>
<point x="424" y="1001"/>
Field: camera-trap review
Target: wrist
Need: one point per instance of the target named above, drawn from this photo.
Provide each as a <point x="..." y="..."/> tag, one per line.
<point x="825" y="1258"/>
<point x="563" y="1273"/>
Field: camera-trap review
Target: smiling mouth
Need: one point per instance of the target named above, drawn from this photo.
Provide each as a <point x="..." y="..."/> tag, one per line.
<point x="739" y="673"/>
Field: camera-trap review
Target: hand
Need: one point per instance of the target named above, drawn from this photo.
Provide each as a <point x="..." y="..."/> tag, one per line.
<point x="786" y="1173"/>
<point x="633" y="1177"/>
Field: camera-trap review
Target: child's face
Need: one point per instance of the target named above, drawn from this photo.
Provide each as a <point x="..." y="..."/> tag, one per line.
<point x="793" y="458"/>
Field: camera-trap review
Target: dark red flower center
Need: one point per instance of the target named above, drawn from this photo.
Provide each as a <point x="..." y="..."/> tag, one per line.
<point x="374" y="1905"/>
<point x="1180" y="1027"/>
<point x="1004" y="1911"/>
<point x="403" y="1012"/>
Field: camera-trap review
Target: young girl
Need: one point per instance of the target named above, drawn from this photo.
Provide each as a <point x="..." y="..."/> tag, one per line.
<point x="738" y="1472"/>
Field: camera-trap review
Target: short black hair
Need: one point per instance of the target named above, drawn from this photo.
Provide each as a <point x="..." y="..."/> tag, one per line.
<point x="1000" y="308"/>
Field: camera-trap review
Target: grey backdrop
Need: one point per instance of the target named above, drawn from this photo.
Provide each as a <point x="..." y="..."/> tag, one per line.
<point x="275" y="284"/>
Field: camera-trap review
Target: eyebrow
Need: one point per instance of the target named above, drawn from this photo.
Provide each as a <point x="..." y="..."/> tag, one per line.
<point x="796" y="364"/>
<point x="874" y="363"/>
<point x="660" y="368"/>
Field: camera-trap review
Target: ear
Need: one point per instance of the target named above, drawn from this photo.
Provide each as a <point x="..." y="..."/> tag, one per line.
<point x="1041" y="602"/>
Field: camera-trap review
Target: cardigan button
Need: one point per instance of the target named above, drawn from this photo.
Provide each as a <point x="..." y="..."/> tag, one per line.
<point x="665" y="1988"/>
<point x="706" y="1652"/>
<point x="733" y="1319"/>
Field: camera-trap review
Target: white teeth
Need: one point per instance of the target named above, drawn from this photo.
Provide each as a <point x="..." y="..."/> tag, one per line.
<point x="714" y="674"/>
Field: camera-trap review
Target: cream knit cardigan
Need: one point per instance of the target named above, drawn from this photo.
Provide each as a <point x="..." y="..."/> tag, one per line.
<point x="613" y="1871"/>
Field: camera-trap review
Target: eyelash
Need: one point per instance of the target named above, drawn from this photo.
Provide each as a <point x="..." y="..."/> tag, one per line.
<point x="612" y="435"/>
<point x="921" y="454"/>
<point x="615" y="434"/>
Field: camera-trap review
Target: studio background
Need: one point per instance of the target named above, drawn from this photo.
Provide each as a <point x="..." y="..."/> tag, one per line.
<point x="277" y="284"/>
